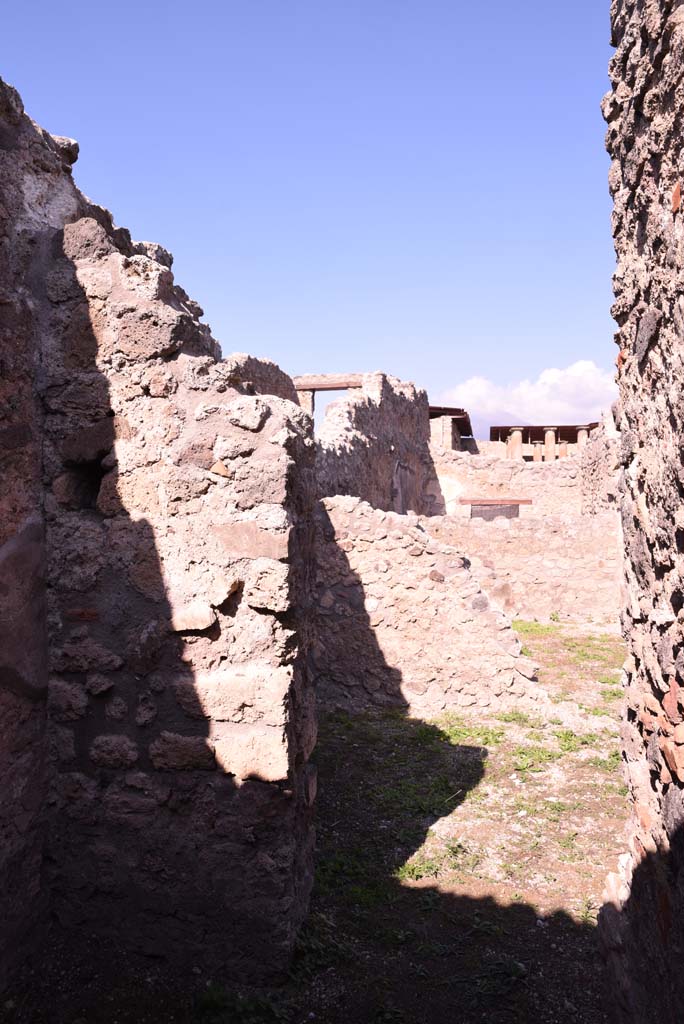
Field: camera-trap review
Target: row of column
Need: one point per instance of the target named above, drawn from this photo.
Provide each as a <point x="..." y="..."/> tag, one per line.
<point x="542" y="450"/>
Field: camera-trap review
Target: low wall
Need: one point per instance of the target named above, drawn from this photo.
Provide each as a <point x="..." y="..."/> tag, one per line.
<point x="583" y="484"/>
<point x="401" y="620"/>
<point x="374" y="445"/>
<point x="569" y="566"/>
<point x="553" y="487"/>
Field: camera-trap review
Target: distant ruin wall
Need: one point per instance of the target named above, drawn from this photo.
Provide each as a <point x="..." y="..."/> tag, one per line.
<point x="374" y="445"/>
<point x="553" y="487"/>
<point x="570" y="566"/>
<point x="176" y="509"/>
<point x="643" y="923"/>
<point x="401" y="621"/>
<point x="582" y="484"/>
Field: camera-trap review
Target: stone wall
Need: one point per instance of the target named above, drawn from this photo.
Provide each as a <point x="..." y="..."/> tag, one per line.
<point x="570" y="566"/>
<point x="374" y="445"/>
<point x="23" y="648"/>
<point x="402" y="621"/>
<point x="176" y="510"/>
<point x="582" y="484"/>
<point x="259" y="376"/>
<point x="553" y="487"/>
<point x="600" y="470"/>
<point x="643" y="923"/>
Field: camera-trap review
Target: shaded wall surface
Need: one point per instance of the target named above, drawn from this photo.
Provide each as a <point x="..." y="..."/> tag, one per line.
<point x="23" y="647"/>
<point x="156" y="553"/>
<point x="642" y="925"/>
<point x="374" y="444"/>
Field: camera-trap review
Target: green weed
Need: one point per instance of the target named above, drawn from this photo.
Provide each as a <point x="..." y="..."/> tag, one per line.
<point x="533" y="628"/>
<point x="532" y="759"/>
<point x="607" y="764"/>
<point x="570" y="741"/>
<point x="456" y="732"/>
<point x="420" y="866"/>
<point x="612" y="693"/>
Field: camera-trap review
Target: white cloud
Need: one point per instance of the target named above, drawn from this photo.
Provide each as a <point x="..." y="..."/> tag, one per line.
<point x="577" y="394"/>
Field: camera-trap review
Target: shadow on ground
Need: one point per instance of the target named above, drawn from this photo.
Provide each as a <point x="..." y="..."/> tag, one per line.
<point x="383" y="943"/>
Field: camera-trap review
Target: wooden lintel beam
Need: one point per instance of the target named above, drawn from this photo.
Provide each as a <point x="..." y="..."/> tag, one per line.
<point x="495" y="501"/>
<point x="328" y="381"/>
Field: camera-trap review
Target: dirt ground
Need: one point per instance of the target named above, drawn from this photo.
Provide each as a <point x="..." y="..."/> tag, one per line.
<point x="460" y="866"/>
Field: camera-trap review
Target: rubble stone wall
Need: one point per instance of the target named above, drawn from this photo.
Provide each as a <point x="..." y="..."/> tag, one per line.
<point x="600" y="471"/>
<point x="23" y="646"/>
<point x="259" y="376"/>
<point x="178" y="551"/>
<point x="570" y="566"/>
<point x="402" y="621"/>
<point x="582" y="484"/>
<point x="643" y="922"/>
<point x="374" y="445"/>
<point x="553" y="487"/>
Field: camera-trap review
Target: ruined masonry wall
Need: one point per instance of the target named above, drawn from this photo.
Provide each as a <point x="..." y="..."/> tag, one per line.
<point x="554" y="487"/>
<point x="600" y="471"/>
<point x="583" y="484"/>
<point x="532" y="569"/>
<point x="259" y="376"/>
<point x="23" y="647"/>
<point x="374" y="445"/>
<point x="643" y="923"/>
<point x="177" y="518"/>
<point x="401" y="621"/>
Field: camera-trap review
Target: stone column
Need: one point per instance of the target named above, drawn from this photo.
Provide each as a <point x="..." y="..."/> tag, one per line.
<point x="549" y="444"/>
<point x="537" y="451"/>
<point x="582" y="436"/>
<point x="563" y="450"/>
<point x="514" y="445"/>
<point x="307" y="401"/>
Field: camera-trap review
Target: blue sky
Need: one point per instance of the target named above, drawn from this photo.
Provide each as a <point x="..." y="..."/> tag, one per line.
<point x="411" y="185"/>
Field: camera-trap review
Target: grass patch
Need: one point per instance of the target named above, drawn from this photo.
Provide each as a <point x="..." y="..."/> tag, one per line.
<point x="519" y="718"/>
<point x="561" y="698"/>
<point x="456" y="732"/>
<point x="525" y="628"/>
<point x="319" y="947"/>
<point x="423" y="865"/>
<point x="406" y="798"/>
<point x="602" y="649"/>
<point x="570" y="742"/>
<point x="532" y="759"/>
<point x="612" y="693"/>
<point x="461" y="856"/>
<point x="607" y="764"/>
<point x="557" y="809"/>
